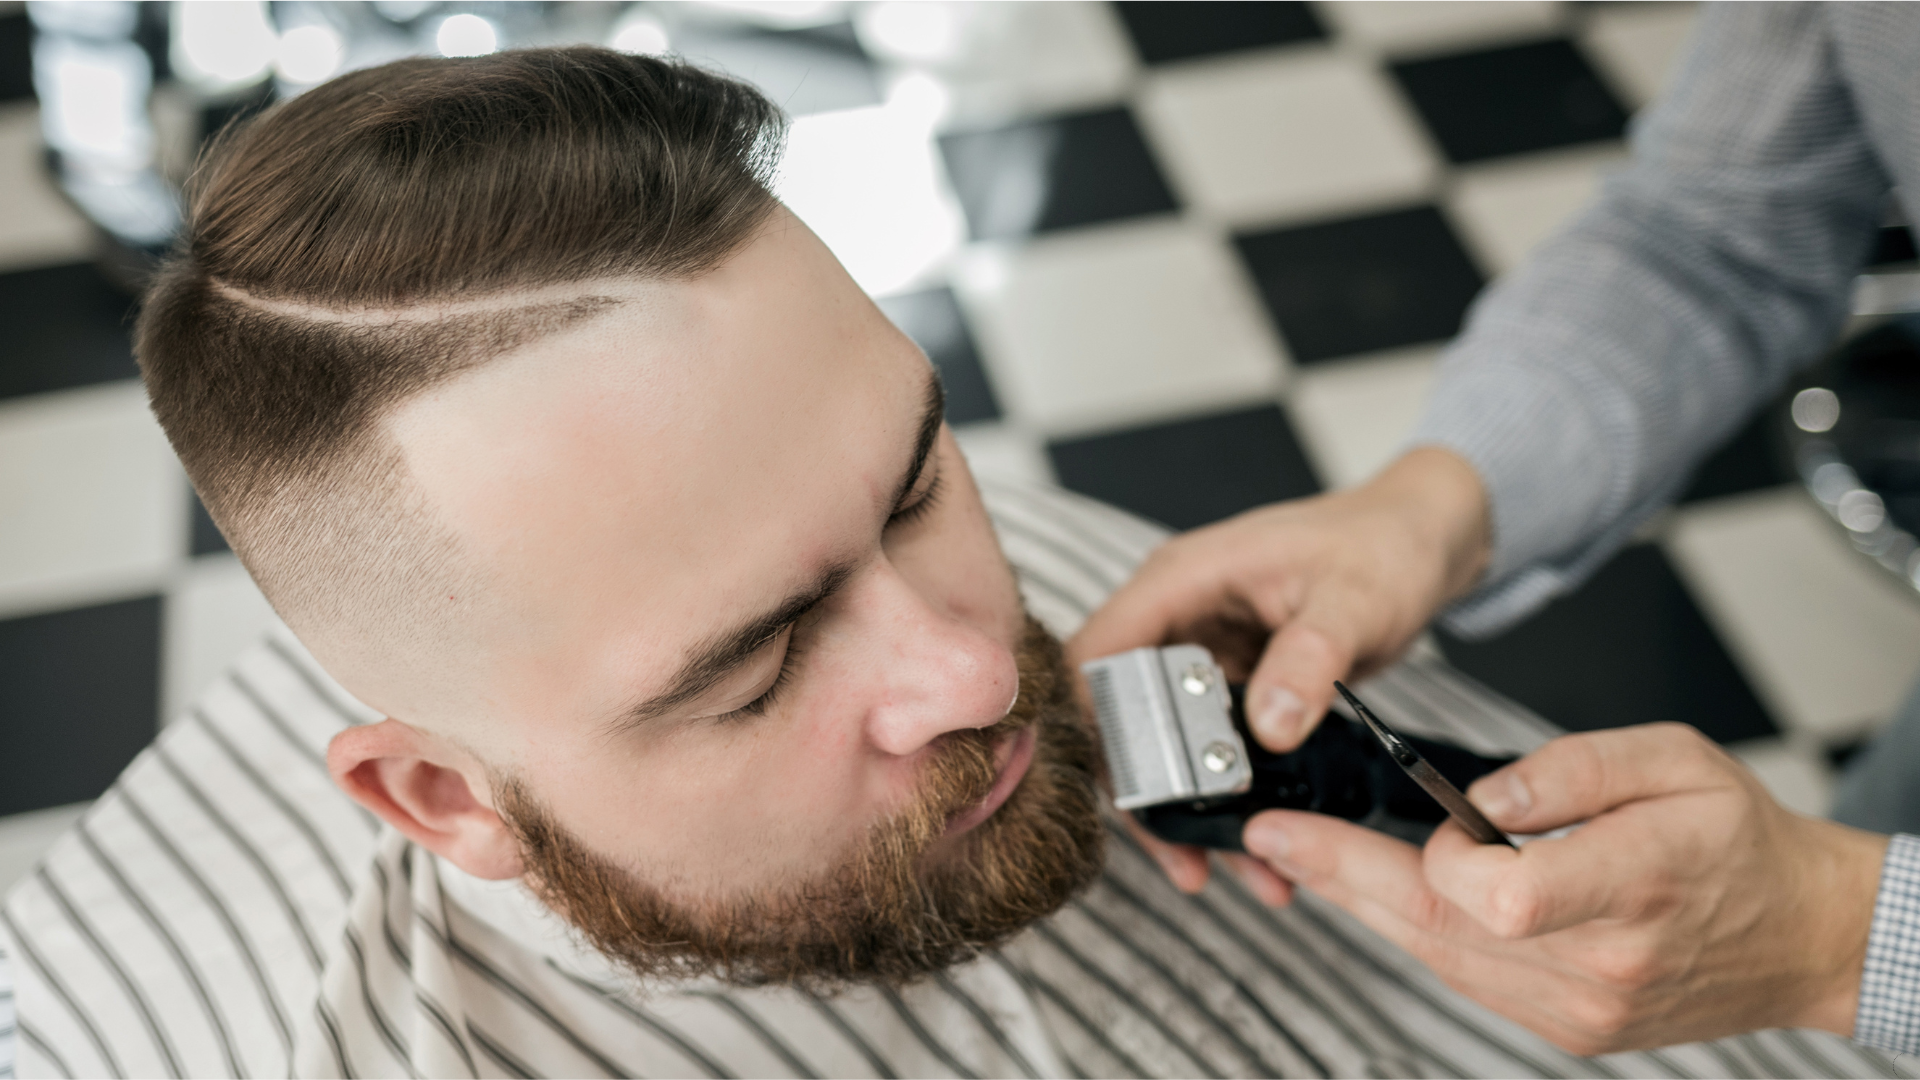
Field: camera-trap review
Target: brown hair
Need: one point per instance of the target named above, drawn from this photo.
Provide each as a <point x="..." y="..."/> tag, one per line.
<point x="379" y="233"/>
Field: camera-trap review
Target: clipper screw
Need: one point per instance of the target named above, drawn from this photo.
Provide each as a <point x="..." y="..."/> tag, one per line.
<point x="1218" y="757"/>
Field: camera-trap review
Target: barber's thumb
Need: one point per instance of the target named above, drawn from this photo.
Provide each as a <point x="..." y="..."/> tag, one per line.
<point x="1293" y="684"/>
<point x="1506" y="798"/>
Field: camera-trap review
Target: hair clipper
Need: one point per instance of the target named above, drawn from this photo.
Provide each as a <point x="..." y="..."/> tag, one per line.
<point x="1182" y="760"/>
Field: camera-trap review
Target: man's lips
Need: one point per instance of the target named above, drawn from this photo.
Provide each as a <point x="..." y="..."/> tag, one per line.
<point x="1015" y="755"/>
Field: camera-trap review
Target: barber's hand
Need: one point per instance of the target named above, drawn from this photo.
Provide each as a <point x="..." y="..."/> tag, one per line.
<point x="1292" y="596"/>
<point x="1689" y="906"/>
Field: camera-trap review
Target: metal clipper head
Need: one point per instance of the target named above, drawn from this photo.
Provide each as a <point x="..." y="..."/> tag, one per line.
<point x="1166" y="726"/>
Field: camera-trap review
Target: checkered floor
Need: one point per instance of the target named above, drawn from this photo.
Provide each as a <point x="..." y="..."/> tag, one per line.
<point x="1188" y="258"/>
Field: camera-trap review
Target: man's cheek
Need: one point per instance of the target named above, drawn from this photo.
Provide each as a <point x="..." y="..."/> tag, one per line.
<point x="963" y="572"/>
<point x="801" y="773"/>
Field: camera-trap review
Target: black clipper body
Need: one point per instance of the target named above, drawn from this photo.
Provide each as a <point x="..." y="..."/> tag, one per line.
<point x="1149" y="732"/>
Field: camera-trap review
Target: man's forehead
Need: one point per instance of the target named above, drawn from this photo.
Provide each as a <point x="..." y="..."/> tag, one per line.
<point x="676" y="459"/>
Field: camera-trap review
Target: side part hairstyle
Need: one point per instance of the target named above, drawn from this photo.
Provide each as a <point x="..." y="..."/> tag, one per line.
<point x="390" y="229"/>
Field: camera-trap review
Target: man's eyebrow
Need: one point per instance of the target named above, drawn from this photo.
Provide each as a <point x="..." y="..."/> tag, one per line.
<point x="714" y="660"/>
<point x="935" y="413"/>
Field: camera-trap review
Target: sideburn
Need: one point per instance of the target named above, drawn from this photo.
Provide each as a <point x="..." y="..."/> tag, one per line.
<point x="881" y="915"/>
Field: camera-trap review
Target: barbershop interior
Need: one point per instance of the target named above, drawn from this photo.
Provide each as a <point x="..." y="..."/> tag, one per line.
<point x="1186" y="259"/>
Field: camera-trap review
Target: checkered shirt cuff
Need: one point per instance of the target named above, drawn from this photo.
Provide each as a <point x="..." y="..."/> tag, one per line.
<point x="1889" y="1016"/>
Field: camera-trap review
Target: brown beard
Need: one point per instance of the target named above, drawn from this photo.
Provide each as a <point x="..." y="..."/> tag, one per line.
<point x="887" y="913"/>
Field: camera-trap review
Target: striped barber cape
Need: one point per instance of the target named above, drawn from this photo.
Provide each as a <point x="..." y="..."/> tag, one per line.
<point x="224" y="910"/>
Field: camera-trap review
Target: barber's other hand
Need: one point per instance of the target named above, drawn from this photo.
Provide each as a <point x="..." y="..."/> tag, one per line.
<point x="1689" y="906"/>
<point x="1302" y="593"/>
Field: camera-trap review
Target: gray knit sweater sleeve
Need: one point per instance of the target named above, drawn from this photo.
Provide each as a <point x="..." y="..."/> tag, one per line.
<point x="1588" y="383"/>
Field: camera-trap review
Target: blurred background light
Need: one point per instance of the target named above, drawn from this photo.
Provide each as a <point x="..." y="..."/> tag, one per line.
<point x="1816" y="409"/>
<point x="222" y="42"/>
<point x="309" y="54"/>
<point x="137" y="208"/>
<point x="869" y="183"/>
<point x="780" y="14"/>
<point x="401" y="11"/>
<point x="638" y="33"/>
<point x="1831" y="482"/>
<point x="1862" y="511"/>
<point x="466" y="35"/>
<point x="103" y="20"/>
<point x="93" y="99"/>
<point x="925" y="31"/>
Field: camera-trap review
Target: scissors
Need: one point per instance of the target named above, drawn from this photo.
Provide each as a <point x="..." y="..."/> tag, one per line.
<point x="1472" y="820"/>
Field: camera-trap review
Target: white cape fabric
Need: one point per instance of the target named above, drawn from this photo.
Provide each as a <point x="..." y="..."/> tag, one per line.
<point x="225" y="911"/>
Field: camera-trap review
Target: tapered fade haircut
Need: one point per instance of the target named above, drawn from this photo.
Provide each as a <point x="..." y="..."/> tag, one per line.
<point x="391" y="229"/>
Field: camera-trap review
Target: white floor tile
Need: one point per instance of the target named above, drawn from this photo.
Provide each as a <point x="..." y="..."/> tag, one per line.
<point x="868" y="181"/>
<point x="1285" y="135"/>
<point x="1353" y="414"/>
<point x="37" y="226"/>
<point x="1505" y="209"/>
<point x="1000" y="451"/>
<point x="1796" y="774"/>
<point x="1830" y="641"/>
<point x="1635" y="46"/>
<point x="92" y="502"/>
<point x="213" y="612"/>
<point x="1402" y="27"/>
<point x="1099" y="327"/>
<point x="1001" y="61"/>
<point x="24" y="837"/>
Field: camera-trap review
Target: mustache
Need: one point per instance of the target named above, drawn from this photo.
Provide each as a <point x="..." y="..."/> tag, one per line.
<point x="962" y="769"/>
<point x="962" y="772"/>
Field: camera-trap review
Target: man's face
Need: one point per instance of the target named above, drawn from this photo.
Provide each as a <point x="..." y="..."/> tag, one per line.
<point x="746" y="616"/>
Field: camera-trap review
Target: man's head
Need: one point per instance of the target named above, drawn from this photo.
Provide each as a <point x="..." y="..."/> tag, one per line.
<point x="564" y="445"/>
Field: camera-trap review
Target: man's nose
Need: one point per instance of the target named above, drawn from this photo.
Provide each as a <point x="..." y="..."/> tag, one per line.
<point x="936" y="673"/>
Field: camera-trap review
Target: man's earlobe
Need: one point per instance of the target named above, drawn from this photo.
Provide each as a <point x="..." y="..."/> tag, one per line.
<point x="424" y="787"/>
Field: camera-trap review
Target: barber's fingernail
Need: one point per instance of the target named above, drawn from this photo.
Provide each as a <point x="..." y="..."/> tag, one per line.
<point x="1268" y="841"/>
<point x="1506" y="796"/>
<point x="1277" y="714"/>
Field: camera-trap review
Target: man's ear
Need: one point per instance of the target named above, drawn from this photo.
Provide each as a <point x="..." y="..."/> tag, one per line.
<point x="425" y="787"/>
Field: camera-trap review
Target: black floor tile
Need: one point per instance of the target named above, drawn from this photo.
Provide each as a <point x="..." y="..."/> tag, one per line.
<point x="1054" y="173"/>
<point x="151" y="33"/>
<point x="1629" y="647"/>
<point x="1840" y="755"/>
<point x="1752" y="459"/>
<point x="65" y="326"/>
<point x="1511" y="100"/>
<point x="1177" y="31"/>
<point x="1354" y="286"/>
<point x="1894" y="245"/>
<point x="933" y="319"/>
<point x="1190" y="472"/>
<point x="206" y="538"/>
<point x="16" y="57"/>
<point x="82" y="694"/>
